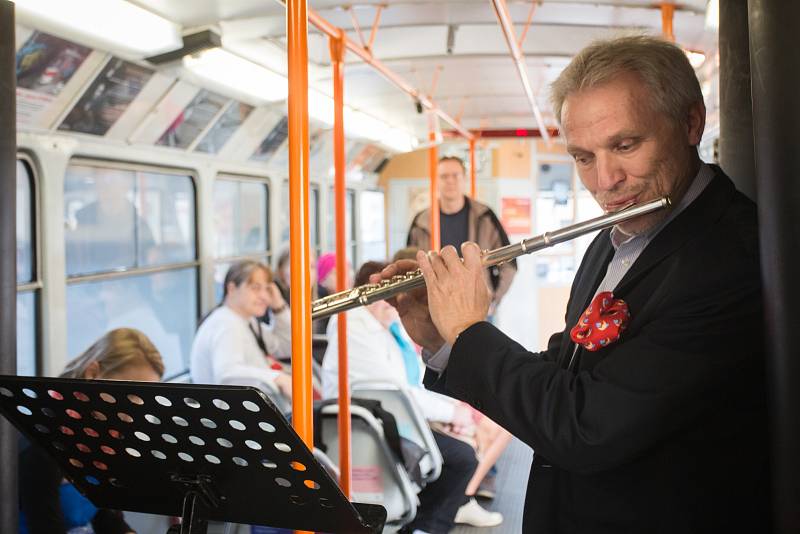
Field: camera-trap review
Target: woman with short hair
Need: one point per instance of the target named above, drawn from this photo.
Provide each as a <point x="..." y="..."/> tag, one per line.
<point x="232" y="346"/>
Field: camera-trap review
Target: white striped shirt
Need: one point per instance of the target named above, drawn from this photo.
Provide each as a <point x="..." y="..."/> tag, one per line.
<point x="628" y="248"/>
<point x="626" y="251"/>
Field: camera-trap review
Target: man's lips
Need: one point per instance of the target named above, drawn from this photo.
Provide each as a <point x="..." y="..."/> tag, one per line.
<point x="618" y="204"/>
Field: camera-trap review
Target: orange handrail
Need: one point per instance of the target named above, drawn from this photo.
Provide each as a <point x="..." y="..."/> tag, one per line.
<point x="332" y="31"/>
<point x="507" y="25"/>
<point x="337" y="61"/>
<point x="297" y="44"/>
<point x="472" y="168"/>
<point x="432" y="164"/>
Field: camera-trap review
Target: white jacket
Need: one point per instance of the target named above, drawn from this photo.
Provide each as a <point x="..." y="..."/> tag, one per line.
<point x="225" y="350"/>
<point x="373" y="354"/>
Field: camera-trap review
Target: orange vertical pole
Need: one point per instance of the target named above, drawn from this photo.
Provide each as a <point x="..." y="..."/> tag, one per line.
<point x="667" y="16"/>
<point x="337" y="61"/>
<point x="297" y="43"/>
<point x="472" y="168"/>
<point x="433" y="163"/>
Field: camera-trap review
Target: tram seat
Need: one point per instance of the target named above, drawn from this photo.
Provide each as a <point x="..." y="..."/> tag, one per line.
<point x="411" y="422"/>
<point x="378" y="475"/>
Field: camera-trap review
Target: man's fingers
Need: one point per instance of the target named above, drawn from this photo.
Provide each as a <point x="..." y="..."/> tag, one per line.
<point x="426" y="267"/>
<point x="438" y="265"/>
<point x="393" y="269"/>
<point x="472" y="256"/>
<point x="450" y="258"/>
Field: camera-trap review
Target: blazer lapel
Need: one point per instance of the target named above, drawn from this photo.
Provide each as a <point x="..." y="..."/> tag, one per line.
<point x="706" y="208"/>
<point x="595" y="269"/>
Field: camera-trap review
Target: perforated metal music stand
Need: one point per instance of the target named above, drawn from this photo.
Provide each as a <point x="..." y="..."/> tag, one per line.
<point x="199" y="452"/>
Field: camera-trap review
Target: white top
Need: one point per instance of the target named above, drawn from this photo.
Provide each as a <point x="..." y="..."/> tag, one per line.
<point x="225" y="350"/>
<point x="373" y="354"/>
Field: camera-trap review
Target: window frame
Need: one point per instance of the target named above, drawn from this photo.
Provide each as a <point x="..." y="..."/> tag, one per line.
<point x="35" y="285"/>
<point x="266" y="255"/>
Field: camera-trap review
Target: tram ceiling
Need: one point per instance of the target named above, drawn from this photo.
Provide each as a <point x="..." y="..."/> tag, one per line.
<point x="456" y="38"/>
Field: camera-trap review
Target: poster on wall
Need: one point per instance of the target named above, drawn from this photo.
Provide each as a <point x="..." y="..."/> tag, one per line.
<point x="44" y="65"/>
<point x="107" y="98"/>
<point x="515" y="215"/>
<point x="192" y="120"/>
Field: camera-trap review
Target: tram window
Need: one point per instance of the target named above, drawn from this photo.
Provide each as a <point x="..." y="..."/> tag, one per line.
<point x="313" y="215"/>
<point x="349" y="223"/>
<point x="241" y="217"/>
<point x="163" y="305"/>
<point x="373" y="227"/>
<point x="119" y="219"/>
<point x="24" y="225"/>
<point x="27" y="285"/>
<point x="26" y="333"/>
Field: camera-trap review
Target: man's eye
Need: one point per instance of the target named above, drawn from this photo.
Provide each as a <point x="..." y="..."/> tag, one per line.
<point x="625" y="147"/>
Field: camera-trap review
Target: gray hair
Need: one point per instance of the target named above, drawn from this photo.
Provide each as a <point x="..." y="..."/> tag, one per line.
<point x="241" y="271"/>
<point x="661" y="65"/>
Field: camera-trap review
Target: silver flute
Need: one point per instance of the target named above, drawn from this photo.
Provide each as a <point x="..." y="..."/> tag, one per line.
<point x="369" y="293"/>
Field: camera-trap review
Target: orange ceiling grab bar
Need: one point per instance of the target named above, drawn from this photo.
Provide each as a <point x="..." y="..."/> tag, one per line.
<point x="337" y="61"/>
<point x="432" y="164"/>
<point x="297" y="44"/>
<point x="504" y="17"/>
<point x="332" y="31"/>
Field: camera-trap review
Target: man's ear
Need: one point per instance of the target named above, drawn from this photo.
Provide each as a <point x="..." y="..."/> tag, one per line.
<point x="92" y="371"/>
<point x="696" y="123"/>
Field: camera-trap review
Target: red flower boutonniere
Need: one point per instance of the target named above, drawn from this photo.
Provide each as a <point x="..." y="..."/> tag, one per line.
<point x="602" y="323"/>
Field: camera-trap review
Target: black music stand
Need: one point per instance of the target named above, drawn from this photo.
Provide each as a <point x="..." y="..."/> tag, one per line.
<point x="221" y="453"/>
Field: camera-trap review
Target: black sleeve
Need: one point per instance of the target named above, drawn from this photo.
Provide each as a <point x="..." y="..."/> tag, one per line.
<point x="677" y="370"/>
<point x="110" y="522"/>
<point x="39" y="480"/>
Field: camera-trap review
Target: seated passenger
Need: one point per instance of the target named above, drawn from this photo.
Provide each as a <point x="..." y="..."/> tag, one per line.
<point x="232" y="346"/>
<point x="379" y="349"/>
<point x="491" y="439"/>
<point x="48" y="503"/>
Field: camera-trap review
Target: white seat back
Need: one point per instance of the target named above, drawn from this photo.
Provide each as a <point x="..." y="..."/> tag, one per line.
<point x="378" y="477"/>
<point x="411" y="423"/>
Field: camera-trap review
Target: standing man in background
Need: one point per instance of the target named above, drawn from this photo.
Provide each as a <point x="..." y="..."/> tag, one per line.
<point x="464" y="219"/>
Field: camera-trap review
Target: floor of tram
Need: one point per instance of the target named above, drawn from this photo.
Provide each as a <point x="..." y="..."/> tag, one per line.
<point x="512" y="479"/>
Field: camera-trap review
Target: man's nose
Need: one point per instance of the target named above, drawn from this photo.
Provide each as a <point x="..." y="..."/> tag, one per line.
<point x="609" y="172"/>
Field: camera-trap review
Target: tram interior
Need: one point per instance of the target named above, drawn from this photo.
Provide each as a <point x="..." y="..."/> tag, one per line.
<point x="146" y="169"/>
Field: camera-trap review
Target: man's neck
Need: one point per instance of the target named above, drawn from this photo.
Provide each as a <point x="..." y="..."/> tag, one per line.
<point x="450" y="206"/>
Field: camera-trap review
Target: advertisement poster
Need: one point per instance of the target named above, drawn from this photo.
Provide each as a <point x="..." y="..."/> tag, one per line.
<point x="272" y="141"/>
<point x="192" y="120"/>
<point x="225" y="127"/>
<point x="107" y="98"/>
<point x="515" y="215"/>
<point x="44" y="65"/>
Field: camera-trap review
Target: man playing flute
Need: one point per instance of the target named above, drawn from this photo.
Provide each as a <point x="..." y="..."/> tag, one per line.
<point x="647" y="413"/>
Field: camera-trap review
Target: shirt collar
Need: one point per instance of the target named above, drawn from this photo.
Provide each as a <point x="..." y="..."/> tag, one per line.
<point x="701" y="180"/>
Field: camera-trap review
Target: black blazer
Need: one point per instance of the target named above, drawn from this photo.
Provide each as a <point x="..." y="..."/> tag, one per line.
<point x="664" y="430"/>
